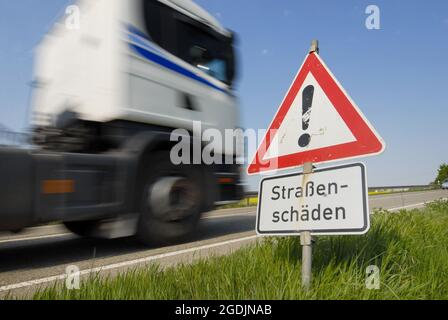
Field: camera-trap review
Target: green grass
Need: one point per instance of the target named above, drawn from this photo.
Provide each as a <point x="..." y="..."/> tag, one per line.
<point x="409" y="247"/>
<point x="247" y="202"/>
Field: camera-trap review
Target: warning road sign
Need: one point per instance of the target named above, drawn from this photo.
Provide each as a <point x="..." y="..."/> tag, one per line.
<point x="327" y="202"/>
<point x="317" y="122"/>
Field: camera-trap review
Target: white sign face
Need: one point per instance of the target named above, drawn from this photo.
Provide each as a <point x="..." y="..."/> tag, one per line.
<point x="330" y="201"/>
<point x="325" y="125"/>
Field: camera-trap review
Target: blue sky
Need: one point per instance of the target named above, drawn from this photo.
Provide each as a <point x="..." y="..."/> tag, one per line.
<point x="397" y="75"/>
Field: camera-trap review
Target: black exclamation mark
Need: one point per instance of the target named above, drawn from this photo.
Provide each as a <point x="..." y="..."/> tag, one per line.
<point x="307" y="103"/>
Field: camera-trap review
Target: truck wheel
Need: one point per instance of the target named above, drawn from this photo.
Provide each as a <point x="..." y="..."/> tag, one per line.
<point x="82" y="228"/>
<point x="171" y="201"/>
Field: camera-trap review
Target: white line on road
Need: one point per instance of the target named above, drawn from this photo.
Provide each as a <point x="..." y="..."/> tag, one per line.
<point x="407" y="207"/>
<point x="36" y="238"/>
<point x="414" y="205"/>
<point x="399" y="195"/>
<point x="123" y="264"/>
<point x="250" y="213"/>
<point x="68" y="233"/>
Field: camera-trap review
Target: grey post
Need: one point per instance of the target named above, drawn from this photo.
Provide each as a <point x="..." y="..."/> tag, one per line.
<point x="306" y="241"/>
<point x="314" y="46"/>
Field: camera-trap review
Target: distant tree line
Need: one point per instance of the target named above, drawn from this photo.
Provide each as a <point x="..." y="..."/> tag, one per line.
<point x="442" y="174"/>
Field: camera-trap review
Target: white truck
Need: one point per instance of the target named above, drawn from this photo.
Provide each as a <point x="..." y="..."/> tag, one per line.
<point x="108" y="96"/>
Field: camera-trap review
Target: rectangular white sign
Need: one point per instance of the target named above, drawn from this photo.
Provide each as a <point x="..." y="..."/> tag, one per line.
<point x="330" y="201"/>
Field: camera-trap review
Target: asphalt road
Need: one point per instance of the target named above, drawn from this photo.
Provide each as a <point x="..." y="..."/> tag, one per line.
<point x="40" y="256"/>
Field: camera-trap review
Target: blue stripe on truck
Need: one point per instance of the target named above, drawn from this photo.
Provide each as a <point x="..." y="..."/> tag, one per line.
<point x="164" y="62"/>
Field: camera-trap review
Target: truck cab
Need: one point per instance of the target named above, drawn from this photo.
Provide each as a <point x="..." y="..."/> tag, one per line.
<point x="109" y="93"/>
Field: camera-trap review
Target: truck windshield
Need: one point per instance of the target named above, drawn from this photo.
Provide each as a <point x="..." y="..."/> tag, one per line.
<point x="190" y="40"/>
<point x="203" y="49"/>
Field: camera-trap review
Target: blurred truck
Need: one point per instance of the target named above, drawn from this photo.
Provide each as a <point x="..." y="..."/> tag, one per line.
<point x="108" y="96"/>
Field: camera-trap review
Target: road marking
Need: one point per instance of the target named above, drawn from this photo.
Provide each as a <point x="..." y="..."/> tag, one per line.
<point x="399" y="195"/>
<point x="230" y="215"/>
<point x="67" y="234"/>
<point x="124" y="264"/>
<point x="412" y="205"/>
<point x="409" y="206"/>
<point x="36" y="238"/>
<point x="415" y="205"/>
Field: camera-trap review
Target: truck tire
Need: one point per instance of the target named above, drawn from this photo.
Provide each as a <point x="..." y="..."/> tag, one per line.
<point x="82" y="228"/>
<point x="171" y="199"/>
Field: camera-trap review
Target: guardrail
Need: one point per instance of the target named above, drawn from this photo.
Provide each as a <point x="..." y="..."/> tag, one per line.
<point x="10" y="138"/>
<point x="386" y="189"/>
<point x="403" y="188"/>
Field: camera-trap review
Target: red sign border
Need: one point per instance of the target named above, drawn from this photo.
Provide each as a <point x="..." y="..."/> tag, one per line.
<point x="368" y="142"/>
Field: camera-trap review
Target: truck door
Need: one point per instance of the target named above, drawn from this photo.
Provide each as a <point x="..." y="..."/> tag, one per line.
<point x="181" y="71"/>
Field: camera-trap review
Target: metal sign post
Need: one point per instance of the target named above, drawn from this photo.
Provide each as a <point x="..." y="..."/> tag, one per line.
<point x="314" y="46"/>
<point x="306" y="241"/>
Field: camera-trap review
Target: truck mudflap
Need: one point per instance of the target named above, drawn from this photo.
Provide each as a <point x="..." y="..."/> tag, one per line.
<point x="38" y="187"/>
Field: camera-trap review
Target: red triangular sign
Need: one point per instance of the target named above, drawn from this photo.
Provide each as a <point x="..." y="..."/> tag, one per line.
<point x="317" y="122"/>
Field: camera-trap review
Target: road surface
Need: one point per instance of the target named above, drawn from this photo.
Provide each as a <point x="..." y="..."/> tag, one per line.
<point x="40" y="256"/>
